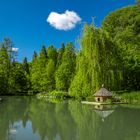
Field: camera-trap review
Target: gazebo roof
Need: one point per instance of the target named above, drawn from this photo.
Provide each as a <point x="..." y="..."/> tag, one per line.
<point x="104" y="113"/>
<point x="103" y="92"/>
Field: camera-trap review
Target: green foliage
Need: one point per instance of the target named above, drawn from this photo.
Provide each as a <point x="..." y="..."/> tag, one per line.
<point x="12" y="74"/>
<point x="97" y="63"/>
<point x="60" y="55"/>
<point x="108" y="55"/>
<point x="123" y="26"/>
<point x="109" y="101"/>
<point x="90" y="98"/>
<point x="138" y="1"/>
<point x="4" y="62"/>
<point x="52" y="54"/>
<point x="19" y="82"/>
<point x="35" y="75"/>
<point x="66" y="70"/>
<point x="43" y="57"/>
<point x="58" y="93"/>
<point x="34" y="56"/>
<point x="26" y="66"/>
<point x="130" y="97"/>
<point x="48" y="81"/>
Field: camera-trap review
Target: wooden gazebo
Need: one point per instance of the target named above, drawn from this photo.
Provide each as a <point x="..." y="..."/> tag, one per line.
<point x="102" y="95"/>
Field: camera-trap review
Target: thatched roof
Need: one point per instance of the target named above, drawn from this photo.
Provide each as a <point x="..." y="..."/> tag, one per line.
<point x="103" y="92"/>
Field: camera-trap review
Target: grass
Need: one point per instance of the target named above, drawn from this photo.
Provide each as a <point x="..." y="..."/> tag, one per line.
<point x="54" y="94"/>
<point x="130" y="97"/>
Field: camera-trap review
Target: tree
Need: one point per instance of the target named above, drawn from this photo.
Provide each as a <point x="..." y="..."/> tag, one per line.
<point x="52" y="53"/>
<point x="138" y="1"/>
<point x="25" y="65"/>
<point x="48" y="80"/>
<point x="34" y="56"/>
<point x="43" y="57"/>
<point x="60" y="54"/>
<point x="26" y="70"/>
<point x="8" y="56"/>
<point x="125" y="33"/>
<point x="4" y="62"/>
<point x="19" y="81"/>
<point x="66" y="70"/>
<point x="35" y="73"/>
<point x="97" y="63"/>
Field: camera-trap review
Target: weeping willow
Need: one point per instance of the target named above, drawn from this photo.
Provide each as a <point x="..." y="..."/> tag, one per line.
<point x="97" y="63"/>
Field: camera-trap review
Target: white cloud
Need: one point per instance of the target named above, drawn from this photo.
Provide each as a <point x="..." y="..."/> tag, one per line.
<point x="65" y="21"/>
<point x="15" y="49"/>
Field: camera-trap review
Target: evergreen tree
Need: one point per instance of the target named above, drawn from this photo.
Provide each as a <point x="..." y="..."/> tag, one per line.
<point x="52" y="53"/>
<point x="66" y="70"/>
<point x="4" y="62"/>
<point x="26" y="69"/>
<point x="34" y="56"/>
<point x="48" y="80"/>
<point x="60" y="54"/>
<point x="19" y="81"/>
<point x="43" y="57"/>
<point x="25" y="65"/>
<point x="35" y="73"/>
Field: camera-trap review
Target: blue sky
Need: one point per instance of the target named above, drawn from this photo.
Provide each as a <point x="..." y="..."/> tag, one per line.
<point x="25" y="21"/>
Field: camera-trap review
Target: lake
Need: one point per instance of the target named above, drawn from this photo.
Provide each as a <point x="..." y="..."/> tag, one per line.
<point x="28" y="118"/>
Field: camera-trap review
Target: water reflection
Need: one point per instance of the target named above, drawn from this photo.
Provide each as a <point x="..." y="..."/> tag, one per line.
<point x="31" y="119"/>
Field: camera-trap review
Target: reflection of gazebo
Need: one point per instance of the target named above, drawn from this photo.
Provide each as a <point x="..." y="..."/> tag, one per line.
<point x="102" y="95"/>
<point x="104" y="113"/>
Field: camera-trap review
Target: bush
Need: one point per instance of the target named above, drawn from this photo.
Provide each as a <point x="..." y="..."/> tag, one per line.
<point x="90" y="98"/>
<point x="109" y="101"/>
<point x="58" y="94"/>
<point x="131" y="97"/>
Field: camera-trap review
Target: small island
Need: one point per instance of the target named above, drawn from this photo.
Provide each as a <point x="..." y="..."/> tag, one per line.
<point x="103" y="97"/>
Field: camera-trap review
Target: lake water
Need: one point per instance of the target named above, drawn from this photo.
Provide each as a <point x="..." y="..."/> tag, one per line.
<point x="27" y="118"/>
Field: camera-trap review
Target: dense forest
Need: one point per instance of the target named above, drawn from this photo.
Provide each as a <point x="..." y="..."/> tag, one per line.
<point x="108" y="55"/>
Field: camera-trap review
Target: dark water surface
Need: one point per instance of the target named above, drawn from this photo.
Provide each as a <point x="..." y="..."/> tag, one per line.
<point x="27" y="118"/>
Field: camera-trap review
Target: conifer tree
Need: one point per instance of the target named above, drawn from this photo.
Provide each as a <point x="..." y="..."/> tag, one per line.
<point x="26" y="65"/>
<point x="66" y="70"/>
<point x="60" y="54"/>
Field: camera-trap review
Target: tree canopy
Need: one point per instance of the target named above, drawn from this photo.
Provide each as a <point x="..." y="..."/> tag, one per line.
<point x="108" y="55"/>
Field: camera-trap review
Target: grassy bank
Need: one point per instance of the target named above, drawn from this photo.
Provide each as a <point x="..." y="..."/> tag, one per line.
<point x="132" y="97"/>
<point x="54" y="94"/>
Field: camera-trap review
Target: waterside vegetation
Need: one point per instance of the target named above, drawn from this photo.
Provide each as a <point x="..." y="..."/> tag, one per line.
<point x="109" y="54"/>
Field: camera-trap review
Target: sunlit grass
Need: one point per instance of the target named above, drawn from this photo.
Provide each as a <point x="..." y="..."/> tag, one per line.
<point x="130" y="97"/>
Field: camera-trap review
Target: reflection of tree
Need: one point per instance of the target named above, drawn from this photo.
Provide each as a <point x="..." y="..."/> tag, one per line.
<point x="121" y="124"/>
<point x="124" y="124"/>
<point x="68" y="121"/>
<point x="50" y="120"/>
<point x="86" y="121"/>
<point x="65" y="123"/>
<point x="42" y="116"/>
<point x="11" y="110"/>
